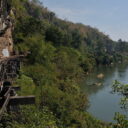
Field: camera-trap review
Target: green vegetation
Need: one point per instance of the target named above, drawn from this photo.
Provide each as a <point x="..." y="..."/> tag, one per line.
<point x="60" y="54"/>
<point x="122" y="120"/>
<point x="30" y="117"/>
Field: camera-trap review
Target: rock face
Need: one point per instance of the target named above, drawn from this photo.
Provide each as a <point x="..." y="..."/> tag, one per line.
<point x="6" y="27"/>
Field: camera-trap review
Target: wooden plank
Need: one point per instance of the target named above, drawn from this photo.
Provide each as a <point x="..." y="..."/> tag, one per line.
<point x="8" y="91"/>
<point x="21" y="100"/>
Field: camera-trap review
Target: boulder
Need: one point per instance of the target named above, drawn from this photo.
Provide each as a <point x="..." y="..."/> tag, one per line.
<point x="100" y="76"/>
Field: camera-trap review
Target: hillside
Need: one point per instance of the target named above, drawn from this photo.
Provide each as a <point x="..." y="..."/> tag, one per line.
<point x="60" y="55"/>
<point x="58" y="32"/>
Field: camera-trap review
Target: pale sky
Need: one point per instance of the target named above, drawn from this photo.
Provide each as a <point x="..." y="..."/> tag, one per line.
<point x="109" y="16"/>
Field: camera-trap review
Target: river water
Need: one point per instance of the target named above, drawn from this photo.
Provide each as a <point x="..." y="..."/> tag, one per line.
<point x="104" y="104"/>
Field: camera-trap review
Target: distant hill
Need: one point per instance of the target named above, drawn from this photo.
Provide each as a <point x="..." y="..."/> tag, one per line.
<point x="37" y="18"/>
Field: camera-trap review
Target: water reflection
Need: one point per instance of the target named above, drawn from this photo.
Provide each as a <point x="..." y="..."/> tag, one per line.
<point x="103" y="104"/>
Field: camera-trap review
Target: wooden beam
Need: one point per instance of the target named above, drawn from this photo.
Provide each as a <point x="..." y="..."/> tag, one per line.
<point x="8" y="91"/>
<point x="4" y="107"/>
<point x="21" y="100"/>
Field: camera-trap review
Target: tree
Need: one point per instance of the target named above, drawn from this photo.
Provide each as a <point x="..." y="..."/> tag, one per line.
<point x="55" y="35"/>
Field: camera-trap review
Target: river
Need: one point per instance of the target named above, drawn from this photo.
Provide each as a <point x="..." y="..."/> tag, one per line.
<point x="104" y="104"/>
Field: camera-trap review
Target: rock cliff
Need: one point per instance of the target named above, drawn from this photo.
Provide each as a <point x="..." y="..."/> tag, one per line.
<point x="6" y="27"/>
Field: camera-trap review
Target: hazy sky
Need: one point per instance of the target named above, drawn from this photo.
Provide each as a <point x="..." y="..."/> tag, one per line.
<point x="109" y="16"/>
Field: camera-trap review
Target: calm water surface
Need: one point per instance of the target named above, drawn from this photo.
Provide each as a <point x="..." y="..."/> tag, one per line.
<point x="104" y="104"/>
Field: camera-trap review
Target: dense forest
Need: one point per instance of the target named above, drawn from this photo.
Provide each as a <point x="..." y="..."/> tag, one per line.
<point x="59" y="54"/>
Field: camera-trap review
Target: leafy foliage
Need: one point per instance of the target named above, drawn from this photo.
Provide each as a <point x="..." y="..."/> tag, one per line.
<point x="122" y="120"/>
<point x="60" y="53"/>
<point x="30" y="117"/>
<point x="122" y="90"/>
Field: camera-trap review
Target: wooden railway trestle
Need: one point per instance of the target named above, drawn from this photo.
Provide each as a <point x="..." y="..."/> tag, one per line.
<point x="9" y="69"/>
<point x="9" y="65"/>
